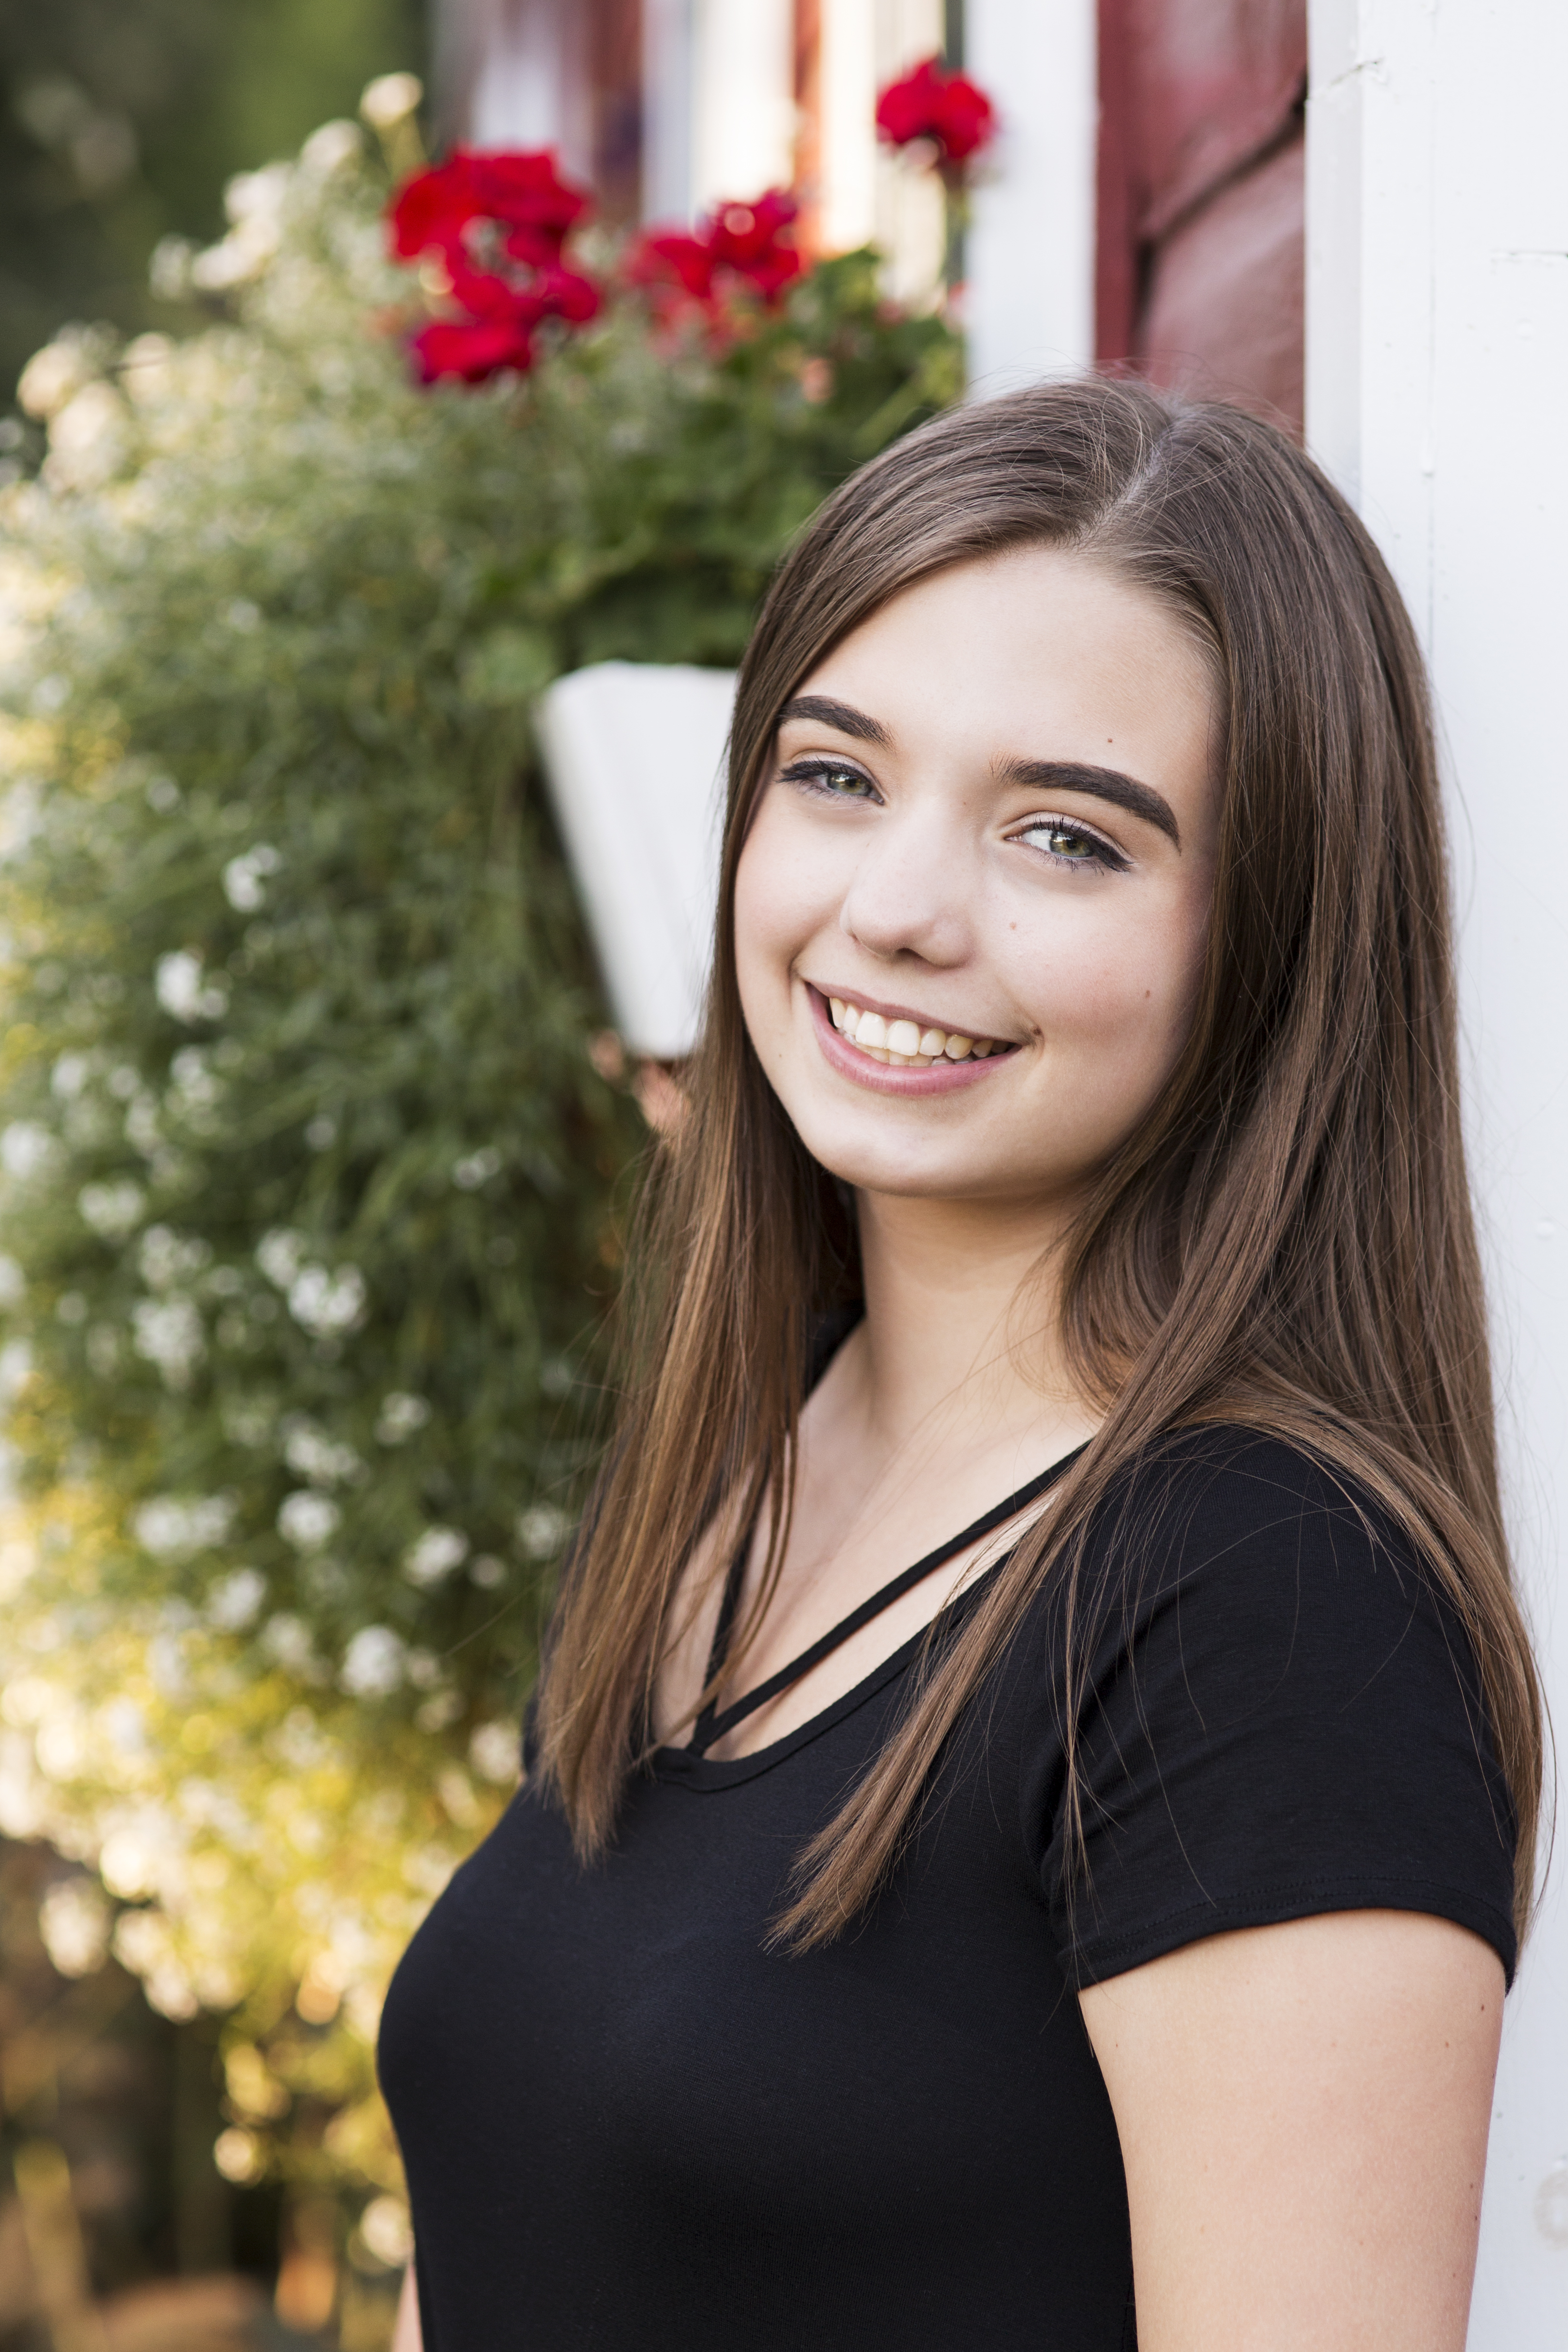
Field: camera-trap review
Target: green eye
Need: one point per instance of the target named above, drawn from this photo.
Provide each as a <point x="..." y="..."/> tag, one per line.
<point x="828" y="777"/>
<point x="1071" y="844"/>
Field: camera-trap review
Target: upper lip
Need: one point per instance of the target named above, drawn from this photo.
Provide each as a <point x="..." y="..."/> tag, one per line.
<point x="856" y="996"/>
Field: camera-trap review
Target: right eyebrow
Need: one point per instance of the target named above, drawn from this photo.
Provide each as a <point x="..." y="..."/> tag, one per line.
<point x="842" y="715"/>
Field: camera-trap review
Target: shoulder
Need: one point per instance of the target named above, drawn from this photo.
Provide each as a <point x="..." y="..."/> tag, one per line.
<point x="1206" y="1493"/>
<point x="1270" y="1541"/>
<point x="1243" y="1571"/>
<point x="1273" y="1708"/>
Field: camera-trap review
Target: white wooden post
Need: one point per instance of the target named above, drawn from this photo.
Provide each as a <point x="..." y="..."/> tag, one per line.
<point x="1029" y="299"/>
<point x="1436" y="379"/>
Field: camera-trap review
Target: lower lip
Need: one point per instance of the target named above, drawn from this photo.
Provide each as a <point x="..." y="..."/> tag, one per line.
<point x="942" y="1077"/>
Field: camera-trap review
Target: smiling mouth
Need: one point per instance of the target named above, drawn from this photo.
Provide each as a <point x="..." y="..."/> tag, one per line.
<point x="904" y="1043"/>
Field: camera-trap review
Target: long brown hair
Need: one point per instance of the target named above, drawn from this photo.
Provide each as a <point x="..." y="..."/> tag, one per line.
<point x="1287" y="1241"/>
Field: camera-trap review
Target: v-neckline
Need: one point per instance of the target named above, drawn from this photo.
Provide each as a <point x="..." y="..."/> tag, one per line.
<point x="713" y="1724"/>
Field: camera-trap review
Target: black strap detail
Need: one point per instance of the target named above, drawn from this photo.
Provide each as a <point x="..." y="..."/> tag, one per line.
<point x="712" y="1725"/>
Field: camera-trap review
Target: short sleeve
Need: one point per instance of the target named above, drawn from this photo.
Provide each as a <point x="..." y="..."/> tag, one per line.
<point x="1281" y="1716"/>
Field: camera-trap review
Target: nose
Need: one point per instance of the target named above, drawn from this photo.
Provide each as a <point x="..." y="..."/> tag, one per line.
<point x="910" y="894"/>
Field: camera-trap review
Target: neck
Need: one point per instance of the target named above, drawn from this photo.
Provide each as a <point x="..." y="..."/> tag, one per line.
<point x="960" y="1342"/>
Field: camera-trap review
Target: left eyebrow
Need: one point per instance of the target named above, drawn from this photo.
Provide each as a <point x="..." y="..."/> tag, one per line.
<point x="1103" y="783"/>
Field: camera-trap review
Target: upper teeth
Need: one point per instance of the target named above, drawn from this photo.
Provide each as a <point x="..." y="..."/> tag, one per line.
<point x="904" y="1042"/>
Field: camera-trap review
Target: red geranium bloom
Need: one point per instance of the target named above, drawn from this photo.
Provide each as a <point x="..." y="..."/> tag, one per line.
<point x="472" y="348"/>
<point x="522" y="188"/>
<point x="932" y="103"/>
<point x="747" y="238"/>
<point x="432" y="210"/>
<point x="553" y="293"/>
<point x="483" y="214"/>
<point x="672" y="254"/>
<point x="739" y="245"/>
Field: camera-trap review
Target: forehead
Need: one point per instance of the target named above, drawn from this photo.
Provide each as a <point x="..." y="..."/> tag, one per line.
<point x="1039" y="653"/>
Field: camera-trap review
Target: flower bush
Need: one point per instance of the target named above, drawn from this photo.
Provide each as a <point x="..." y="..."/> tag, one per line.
<point x="310" y="1171"/>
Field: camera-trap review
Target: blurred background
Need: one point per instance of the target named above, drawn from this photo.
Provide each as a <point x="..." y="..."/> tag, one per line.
<point x="124" y="120"/>
<point x="322" y="1100"/>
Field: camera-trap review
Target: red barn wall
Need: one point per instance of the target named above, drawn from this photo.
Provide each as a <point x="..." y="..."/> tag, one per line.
<point x="1200" y="262"/>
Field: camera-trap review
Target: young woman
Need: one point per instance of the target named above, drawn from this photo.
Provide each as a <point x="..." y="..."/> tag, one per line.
<point x="1032" y="1795"/>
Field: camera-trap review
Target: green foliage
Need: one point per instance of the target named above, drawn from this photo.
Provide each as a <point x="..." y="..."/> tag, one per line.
<point x="310" y="1187"/>
<point x="121" y="119"/>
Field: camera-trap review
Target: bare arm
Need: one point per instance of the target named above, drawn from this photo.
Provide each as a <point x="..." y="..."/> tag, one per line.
<point x="405" y="2335"/>
<point x="1303" y="2116"/>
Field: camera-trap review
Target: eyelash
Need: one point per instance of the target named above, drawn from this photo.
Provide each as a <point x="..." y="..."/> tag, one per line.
<point x="1102" y="856"/>
<point x="813" y="775"/>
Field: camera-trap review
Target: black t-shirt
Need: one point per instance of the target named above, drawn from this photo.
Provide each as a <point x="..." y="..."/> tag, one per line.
<point x="629" y="2125"/>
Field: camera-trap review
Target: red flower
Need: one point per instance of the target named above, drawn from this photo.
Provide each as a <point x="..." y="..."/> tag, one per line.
<point x="932" y="103"/>
<point x="689" y="260"/>
<point x="431" y="211"/>
<point x="524" y="192"/>
<point x="499" y="222"/>
<point x="473" y="349"/>
<point x="738" y="246"/>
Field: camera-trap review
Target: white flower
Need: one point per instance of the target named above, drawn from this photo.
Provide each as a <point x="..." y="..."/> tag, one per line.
<point x="401" y="1417"/>
<point x="438" y="1552"/>
<point x="166" y="1257"/>
<point x="24" y="1148"/>
<point x="390" y="99"/>
<point x="73" y="1921"/>
<point x="542" y="1530"/>
<point x="324" y="1303"/>
<point x="373" y="1664"/>
<point x="326" y="151"/>
<point x="494" y="1752"/>
<point x="168" y="1332"/>
<point x="244" y="877"/>
<point x="173" y="1527"/>
<point x="181" y="991"/>
<point x="234" y="1601"/>
<point x="196" y="1088"/>
<point x="323" y="1460"/>
<point x="69" y="1076"/>
<point x="308" y="1520"/>
<point x="477" y="1169"/>
<point x="90" y="439"/>
<point x="288" y="1639"/>
<point x="280" y="1255"/>
<point x="169" y="269"/>
<point x="254" y="202"/>
<point x="53" y="377"/>
<point x="147" y="373"/>
<point x="112" y="1211"/>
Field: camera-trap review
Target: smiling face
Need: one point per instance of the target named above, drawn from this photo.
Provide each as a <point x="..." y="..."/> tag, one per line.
<point x="970" y="913"/>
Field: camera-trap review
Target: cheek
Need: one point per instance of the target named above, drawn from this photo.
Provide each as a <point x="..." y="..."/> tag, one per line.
<point x="783" y="897"/>
<point x="1121" y="987"/>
